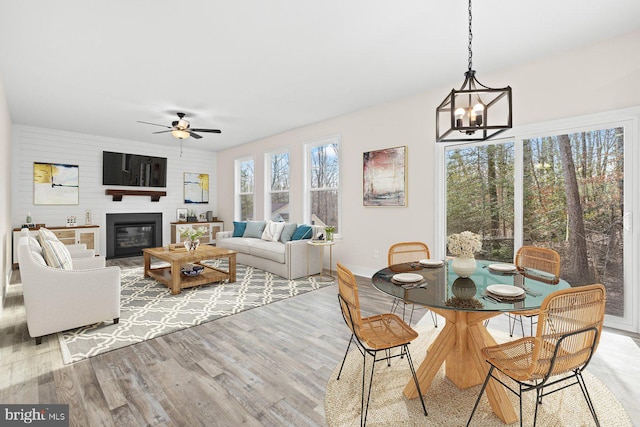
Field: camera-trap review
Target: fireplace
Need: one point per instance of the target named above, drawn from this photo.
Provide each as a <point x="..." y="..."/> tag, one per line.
<point x="129" y="233"/>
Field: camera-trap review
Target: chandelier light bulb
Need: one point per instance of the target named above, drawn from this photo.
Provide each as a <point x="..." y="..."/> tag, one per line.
<point x="459" y="114"/>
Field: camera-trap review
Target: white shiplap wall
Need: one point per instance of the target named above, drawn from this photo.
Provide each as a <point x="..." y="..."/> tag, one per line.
<point x="32" y="144"/>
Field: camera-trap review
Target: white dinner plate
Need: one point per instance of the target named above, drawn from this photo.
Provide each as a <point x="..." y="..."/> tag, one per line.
<point x="407" y="277"/>
<point x="502" y="267"/>
<point x="431" y="262"/>
<point x="505" y="290"/>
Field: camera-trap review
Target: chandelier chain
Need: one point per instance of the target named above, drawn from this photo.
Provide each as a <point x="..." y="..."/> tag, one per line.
<point x="470" y="38"/>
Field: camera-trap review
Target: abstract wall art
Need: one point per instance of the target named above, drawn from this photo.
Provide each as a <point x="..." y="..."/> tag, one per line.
<point x="384" y="180"/>
<point x="196" y="187"/>
<point x="55" y="184"/>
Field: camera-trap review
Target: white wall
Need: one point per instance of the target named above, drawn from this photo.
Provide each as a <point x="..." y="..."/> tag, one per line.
<point x="601" y="77"/>
<point x="32" y="144"/>
<point x="5" y="194"/>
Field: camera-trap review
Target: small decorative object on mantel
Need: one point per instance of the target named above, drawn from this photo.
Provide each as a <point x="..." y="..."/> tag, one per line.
<point x="181" y="214"/>
<point x="464" y="245"/>
<point x="191" y="216"/>
<point x="72" y="221"/>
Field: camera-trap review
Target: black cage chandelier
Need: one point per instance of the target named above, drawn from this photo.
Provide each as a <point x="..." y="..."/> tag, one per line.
<point x="475" y="112"/>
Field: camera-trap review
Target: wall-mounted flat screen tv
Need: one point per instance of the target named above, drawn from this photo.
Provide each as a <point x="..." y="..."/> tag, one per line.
<point x="133" y="170"/>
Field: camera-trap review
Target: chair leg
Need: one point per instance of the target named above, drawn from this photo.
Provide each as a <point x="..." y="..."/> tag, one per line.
<point x="434" y="317"/>
<point x="363" y="422"/>
<point x="411" y="315"/>
<point x="585" y="393"/>
<point x="415" y="377"/>
<point x="345" y="357"/>
<point x="484" y="386"/>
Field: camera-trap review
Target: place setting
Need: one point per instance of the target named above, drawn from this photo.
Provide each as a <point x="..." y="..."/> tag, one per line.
<point x="504" y="293"/>
<point x="502" y="268"/>
<point x="408" y="280"/>
<point x="431" y="263"/>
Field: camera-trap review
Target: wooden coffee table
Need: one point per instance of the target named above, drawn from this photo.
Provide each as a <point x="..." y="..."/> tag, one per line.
<point x="175" y="280"/>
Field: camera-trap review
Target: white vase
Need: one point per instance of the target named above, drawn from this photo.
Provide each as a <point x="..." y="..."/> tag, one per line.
<point x="464" y="265"/>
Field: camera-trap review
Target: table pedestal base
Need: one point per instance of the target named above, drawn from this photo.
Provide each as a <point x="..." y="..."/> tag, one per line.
<point x="460" y="344"/>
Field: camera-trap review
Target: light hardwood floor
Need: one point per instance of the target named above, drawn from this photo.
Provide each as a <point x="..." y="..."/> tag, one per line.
<point x="265" y="367"/>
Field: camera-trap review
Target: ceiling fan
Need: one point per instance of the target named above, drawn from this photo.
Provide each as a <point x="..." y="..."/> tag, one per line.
<point x="181" y="128"/>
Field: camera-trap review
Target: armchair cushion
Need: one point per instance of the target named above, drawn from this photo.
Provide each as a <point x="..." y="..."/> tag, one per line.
<point x="56" y="255"/>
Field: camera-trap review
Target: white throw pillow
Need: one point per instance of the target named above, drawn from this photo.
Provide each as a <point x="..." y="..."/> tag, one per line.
<point x="46" y="234"/>
<point x="57" y="255"/>
<point x="272" y="231"/>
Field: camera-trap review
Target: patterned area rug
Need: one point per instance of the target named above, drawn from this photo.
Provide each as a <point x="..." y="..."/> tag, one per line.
<point x="148" y="309"/>
<point x="449" y="406"/>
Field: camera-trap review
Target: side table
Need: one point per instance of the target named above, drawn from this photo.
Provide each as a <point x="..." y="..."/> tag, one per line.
<point x="322" y="244"/>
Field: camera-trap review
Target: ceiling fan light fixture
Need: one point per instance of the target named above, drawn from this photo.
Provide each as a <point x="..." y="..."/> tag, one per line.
<point x="182" y="124"/>
<point x="475" y="112"/>
<point x="180" y="134"/>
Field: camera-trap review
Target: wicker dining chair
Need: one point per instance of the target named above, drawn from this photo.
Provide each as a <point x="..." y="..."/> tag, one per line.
<point x="371" y="335"/>
<point x="408" y="252"/>
<point x="538" y="263"/>
<point x="568" y="333"/>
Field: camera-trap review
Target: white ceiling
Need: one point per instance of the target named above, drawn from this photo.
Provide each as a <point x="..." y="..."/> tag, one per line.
<point x="255" y="68"/>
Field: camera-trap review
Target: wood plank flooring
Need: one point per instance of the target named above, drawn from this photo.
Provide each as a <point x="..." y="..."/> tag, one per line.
<point x="263" y="367"/>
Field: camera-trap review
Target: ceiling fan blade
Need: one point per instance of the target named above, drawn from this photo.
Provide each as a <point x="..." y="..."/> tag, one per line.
<point x="162" y="131"/>
<point x="208" y="130"/>
<point x="155" y="124"/>
<point x="195" y="135"/>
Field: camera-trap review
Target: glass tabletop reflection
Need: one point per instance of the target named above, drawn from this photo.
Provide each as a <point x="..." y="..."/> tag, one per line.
<point x="442" y="288"/>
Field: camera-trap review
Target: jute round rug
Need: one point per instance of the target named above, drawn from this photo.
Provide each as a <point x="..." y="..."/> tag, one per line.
<point x="449" y="406"/>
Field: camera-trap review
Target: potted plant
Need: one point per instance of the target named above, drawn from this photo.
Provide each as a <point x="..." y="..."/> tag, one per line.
<point x="330" y="229"/>
<point x="464" y="245"/>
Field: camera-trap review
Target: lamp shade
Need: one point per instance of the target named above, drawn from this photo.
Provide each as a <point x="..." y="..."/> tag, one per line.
<point x="180" y="134"/>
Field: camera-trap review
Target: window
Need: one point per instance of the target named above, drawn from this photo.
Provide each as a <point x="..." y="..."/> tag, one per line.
<point x="558" y="187"/>
<point x="323" y="179"/>
<point x="277" y="200"/>
<point x="245" y="182"/>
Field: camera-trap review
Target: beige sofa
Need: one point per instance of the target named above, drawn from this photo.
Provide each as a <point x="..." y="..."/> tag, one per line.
<point x="291" y="260"/>
<point x="56" y="299"/>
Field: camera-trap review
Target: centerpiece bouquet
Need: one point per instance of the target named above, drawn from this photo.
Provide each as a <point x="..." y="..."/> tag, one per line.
<point x="464" y="244"/>
<point x="191" y="236"/>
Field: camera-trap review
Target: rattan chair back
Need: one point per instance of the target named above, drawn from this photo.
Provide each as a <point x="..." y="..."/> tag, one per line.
<point x="539" y="259"/>
<point x="407" y="252"/>
<point x="349" y="301"/>
<point x="559" y="346"/>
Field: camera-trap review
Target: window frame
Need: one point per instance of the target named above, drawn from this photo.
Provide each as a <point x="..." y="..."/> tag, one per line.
<point x="268" y="191"/>
<point x="308" y="146"/>
<point x="629" y="119"/>
<point x="237" y="209"/>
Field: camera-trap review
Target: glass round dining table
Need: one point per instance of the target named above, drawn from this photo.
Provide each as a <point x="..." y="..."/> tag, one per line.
<point x="465" y="303"/>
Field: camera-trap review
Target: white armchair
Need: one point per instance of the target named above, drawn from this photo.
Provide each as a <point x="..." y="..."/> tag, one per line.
<point x="56" y="300"/>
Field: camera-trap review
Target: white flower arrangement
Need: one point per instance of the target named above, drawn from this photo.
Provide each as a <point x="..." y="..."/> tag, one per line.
<point x="464" y="244"/>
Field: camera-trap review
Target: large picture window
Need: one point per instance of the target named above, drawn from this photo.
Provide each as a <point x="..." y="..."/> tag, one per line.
<point x="323" y="178"/>
<point x="562" y="190"/>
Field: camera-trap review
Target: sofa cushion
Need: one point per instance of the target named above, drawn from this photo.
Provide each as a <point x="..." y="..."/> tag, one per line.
<point x="272" y="231"/>
<point x="56" y="255"/>
<point x="254" y="229"/>
<point x="238" y="244"/>
<point x="273" y="251"/>
<point x="46" y="234"/>
<point x="287" y="231"/>
<point x="302" y="232"/>
<point x="238" y="228"/>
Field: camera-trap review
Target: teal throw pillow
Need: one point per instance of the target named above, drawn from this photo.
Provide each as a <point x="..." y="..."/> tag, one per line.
<point x="238" y="228"/>
<point x="287" y="231"/>
<point x="254" y="229"/>
<point x="302" y="232"/>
